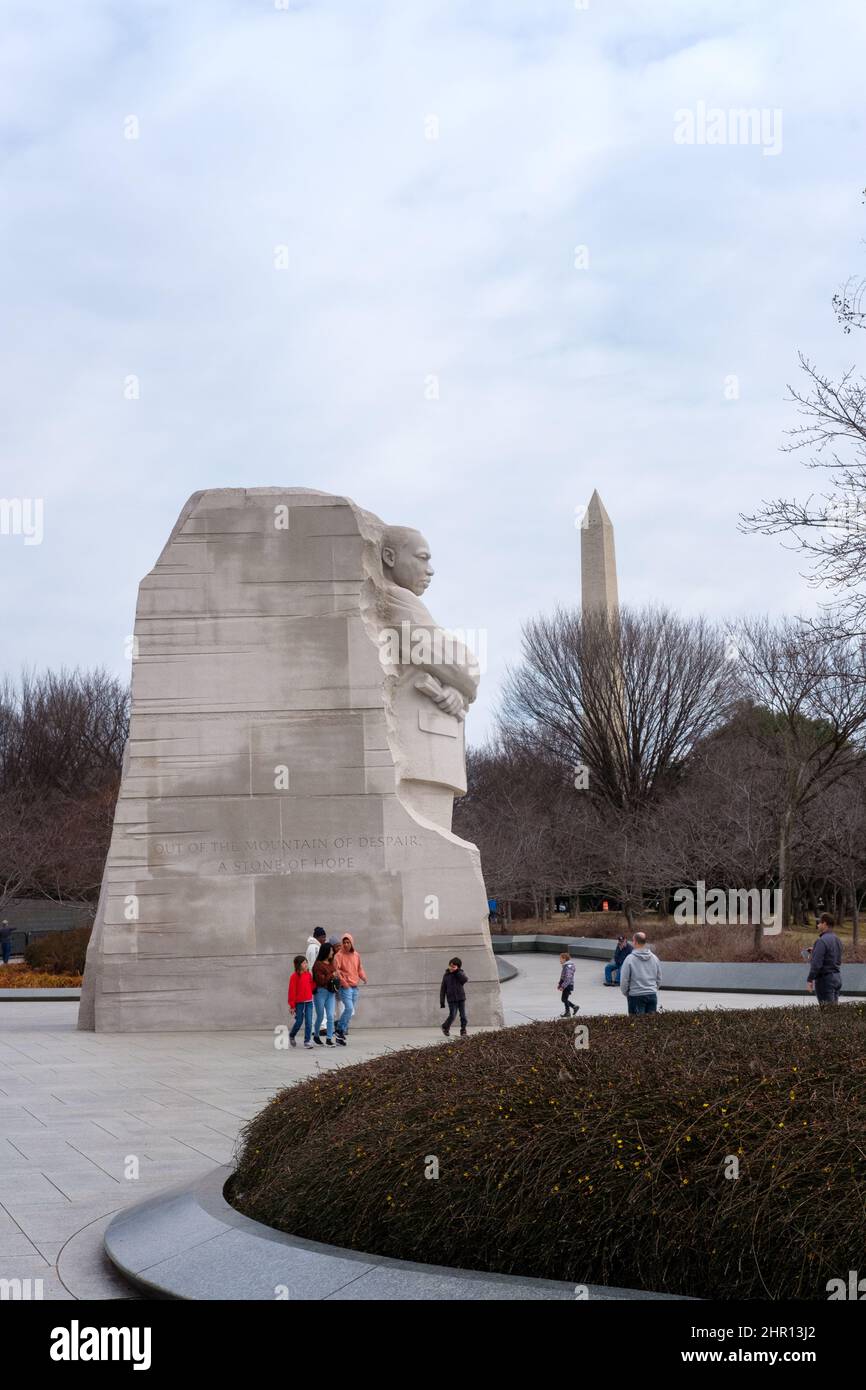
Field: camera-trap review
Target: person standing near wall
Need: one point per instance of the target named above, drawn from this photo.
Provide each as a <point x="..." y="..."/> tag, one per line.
<point x="825" y="963"/>
<point x="640" y="977"/>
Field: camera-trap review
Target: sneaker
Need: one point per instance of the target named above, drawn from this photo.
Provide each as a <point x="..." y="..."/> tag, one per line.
<point x="445" y="1029"/>
<point x="318" y="1040"/>
<point x="309" y="1045"/>
<point x="292" y="1041"/>
<point x="329" y="1042"/>
<point x="463" y="1032"/>
<point x="341" y="1040"/>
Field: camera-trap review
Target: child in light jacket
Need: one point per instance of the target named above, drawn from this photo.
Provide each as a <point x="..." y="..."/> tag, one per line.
<point x="566" y="985"/>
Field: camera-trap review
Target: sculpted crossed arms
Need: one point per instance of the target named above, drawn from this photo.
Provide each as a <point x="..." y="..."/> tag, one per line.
<point x="448" y="672"/>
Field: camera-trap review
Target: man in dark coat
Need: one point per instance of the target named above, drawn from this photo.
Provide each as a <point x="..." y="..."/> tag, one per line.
<point x="614" y="965"/>
<point x="5" y="941"/>
<point x="825" y="965"/>
<point x="454" y="990"/>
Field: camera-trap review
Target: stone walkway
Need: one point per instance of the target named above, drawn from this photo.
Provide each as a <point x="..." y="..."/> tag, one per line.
<point x="81" y="1113"/>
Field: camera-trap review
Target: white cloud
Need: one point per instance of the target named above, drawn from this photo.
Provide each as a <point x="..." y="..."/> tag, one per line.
<point x="410" y="256"/>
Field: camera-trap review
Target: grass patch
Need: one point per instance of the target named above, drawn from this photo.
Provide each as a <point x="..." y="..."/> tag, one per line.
<point x="603" y="1165"/>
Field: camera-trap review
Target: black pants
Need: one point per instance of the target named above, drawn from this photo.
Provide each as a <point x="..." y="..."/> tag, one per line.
<point x="568" y="1008"/>
<point x="459" y="1005"/>
<point x="827" y="987"/>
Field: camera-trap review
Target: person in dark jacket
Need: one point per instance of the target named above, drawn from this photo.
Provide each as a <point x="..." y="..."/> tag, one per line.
<point x="453" y="989"/>
<point x="825" y="963"/>
<point x="614" y="966"/>
<point x="5" y="941"/>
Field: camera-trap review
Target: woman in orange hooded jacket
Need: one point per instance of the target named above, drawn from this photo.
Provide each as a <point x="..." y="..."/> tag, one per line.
<point x="347" y="964"/>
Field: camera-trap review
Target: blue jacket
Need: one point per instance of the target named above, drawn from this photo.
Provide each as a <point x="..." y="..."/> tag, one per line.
<point x="826" y="958"/>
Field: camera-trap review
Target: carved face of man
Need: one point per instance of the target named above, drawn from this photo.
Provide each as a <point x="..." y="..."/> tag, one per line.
<point x="406" y="559"/>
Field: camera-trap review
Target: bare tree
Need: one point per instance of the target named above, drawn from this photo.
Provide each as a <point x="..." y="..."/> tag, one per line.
<point x="62" y="731"/>
<point x="62" y="736"/>
<point x="721" y="826"/>
<point x="627" y="698"/>
<point x="526" y="818"/>
<point x="829" y="527"/>
<point x="25" y="833"/>
<point x="809" y="716"/>
<point x="839" y="825"/>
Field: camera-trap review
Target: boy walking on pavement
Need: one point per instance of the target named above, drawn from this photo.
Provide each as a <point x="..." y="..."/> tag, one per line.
<point x="453" y="989"/>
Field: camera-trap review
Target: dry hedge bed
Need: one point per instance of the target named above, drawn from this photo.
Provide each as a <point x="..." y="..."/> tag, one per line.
<point x="20" y="976"/>
<point x="728" y="942"/>
<point x="736" y="943"/>
<point x="604" y="1165"/>
<point x="59" y="952"/>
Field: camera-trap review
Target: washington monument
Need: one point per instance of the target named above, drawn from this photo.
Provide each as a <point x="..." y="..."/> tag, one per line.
<point x="598" y="590"/>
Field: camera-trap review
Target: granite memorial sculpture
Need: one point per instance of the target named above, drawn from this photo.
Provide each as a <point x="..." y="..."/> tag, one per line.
<point x="295" y="747"/>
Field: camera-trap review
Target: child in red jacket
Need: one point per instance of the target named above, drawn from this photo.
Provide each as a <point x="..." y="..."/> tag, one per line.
<point x="301" y="1000"/>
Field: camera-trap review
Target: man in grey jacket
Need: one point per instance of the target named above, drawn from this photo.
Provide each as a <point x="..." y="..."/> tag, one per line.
<point x="825" y="963"/>
<point x="640" y="977"/>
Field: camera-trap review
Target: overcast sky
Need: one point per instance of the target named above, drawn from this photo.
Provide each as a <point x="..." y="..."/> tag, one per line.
<point x="409" y="258"/>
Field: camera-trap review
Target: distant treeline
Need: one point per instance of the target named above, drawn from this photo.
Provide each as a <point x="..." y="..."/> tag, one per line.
<point x="638" y="754"/>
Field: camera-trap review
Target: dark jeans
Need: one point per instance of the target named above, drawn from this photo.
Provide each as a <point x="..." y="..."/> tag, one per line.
<point x="827" y="988"/>
<point x="452" y="1014"/>
<point x="642" y="1003"/>
<point x="6" y="948"/>
<point x="568" y="1008"/>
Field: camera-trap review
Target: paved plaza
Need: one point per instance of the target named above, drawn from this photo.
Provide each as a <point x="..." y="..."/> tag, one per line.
<point x="79" y="1111"/>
